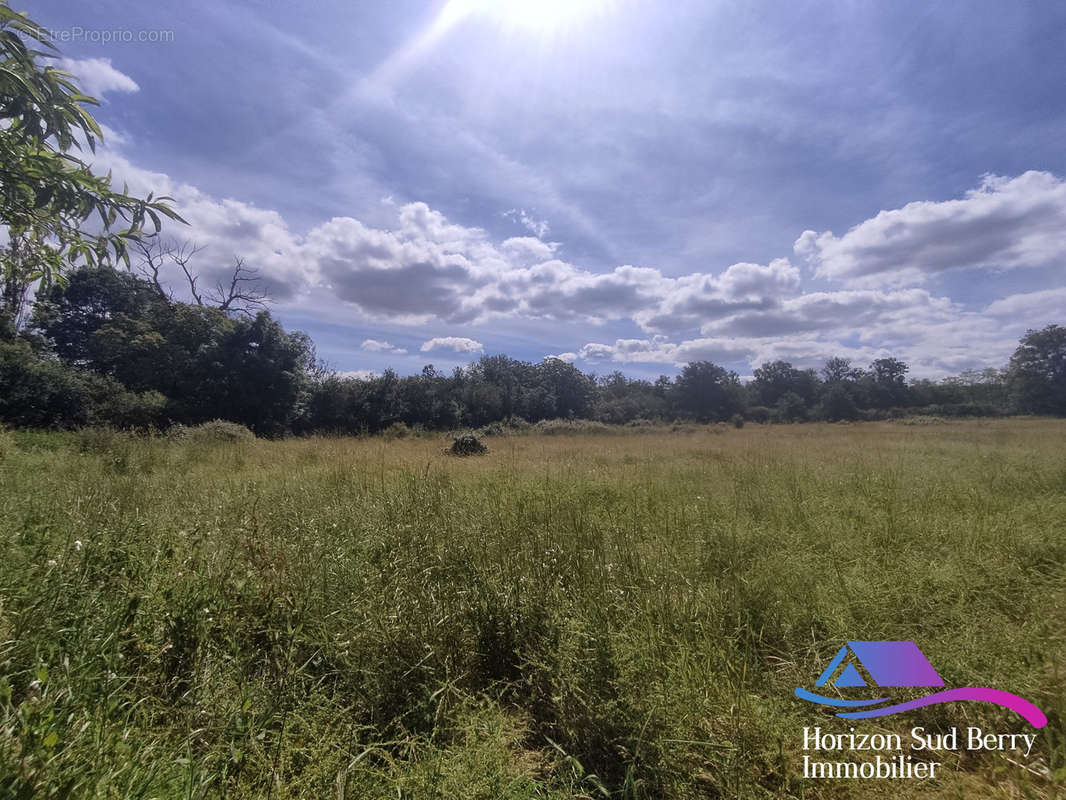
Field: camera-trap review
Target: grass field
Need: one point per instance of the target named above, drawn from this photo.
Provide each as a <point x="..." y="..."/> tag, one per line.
<point x="610" y="615"/>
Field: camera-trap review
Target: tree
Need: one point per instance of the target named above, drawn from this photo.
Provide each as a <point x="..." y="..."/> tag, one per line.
<point x="888" y="383"/>
<point x="569" y="389"/>
<point x="774" y="379"/>
<point x="841" y="390"/>
<point x="58" y="214"/>
<point x="1037" y="372"/>
<point x="839" y="370"/>
<point x="206" y="363"/>
<point x="239" y="293"/>
<point x="707" y="392"/>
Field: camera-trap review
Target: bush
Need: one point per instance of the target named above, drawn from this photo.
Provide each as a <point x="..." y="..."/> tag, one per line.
<point x="737" y="421"/>
<point x="790" y="408"/>
<point x="759" y="414"/>
<point x="397" y="430"/>
<point x="467" y="444"/>
<point x="177" y="432"/>
<point x="37" y="392"/>
<point x="123" y="409"/>
<point x="557" y="427"/>
<point x="493" y="429"/>
<point x="219" y="430"/>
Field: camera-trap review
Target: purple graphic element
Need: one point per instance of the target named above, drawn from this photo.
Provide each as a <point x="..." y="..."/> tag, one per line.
<point x="889" y="663"/>
<point x="1033" y="715"/>
<point x="901" y="663"/>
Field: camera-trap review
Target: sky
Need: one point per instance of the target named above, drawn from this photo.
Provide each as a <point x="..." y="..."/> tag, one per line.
<point x="623" y="184"/>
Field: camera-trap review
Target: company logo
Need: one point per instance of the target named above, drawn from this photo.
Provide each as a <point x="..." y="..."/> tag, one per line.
<point x="901" y="664"/>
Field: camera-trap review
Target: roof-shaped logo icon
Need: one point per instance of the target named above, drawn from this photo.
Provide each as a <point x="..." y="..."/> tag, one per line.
<point x="859" y="664"/>
<point x="886" y="663"/>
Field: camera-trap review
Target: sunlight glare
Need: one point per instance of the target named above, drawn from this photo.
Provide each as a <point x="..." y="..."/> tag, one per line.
<point x="534" y="16"/>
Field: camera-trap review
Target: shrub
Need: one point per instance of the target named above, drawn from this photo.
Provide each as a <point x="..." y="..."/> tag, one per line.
<point x="219" y="430"/>
<point x="493" y="429"/>
<point x="123" y="409"/>
<point x="556" y="427"/>
<point x="177" y="432"/>
<point x="737" y="421"/>
<point x="790" y="408"/>
<point x="38" y="392"/>
<point x="397" y="430"/>
<point x="759" y="414"/>
<point x="467" y="444"/>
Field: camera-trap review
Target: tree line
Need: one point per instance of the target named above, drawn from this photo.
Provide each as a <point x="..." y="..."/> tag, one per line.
<point x="105" y="346"/>
<point x="84" y="341"/>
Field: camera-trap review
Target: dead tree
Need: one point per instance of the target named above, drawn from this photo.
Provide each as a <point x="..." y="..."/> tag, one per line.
<point x="241" y="293"/>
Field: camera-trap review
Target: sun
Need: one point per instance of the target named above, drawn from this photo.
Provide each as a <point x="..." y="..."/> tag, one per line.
<point x="532" y="16"/>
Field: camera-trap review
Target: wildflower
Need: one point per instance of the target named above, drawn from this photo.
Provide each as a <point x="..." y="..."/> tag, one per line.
<point x="51" y="563"/>
<point x="78" y="545"/>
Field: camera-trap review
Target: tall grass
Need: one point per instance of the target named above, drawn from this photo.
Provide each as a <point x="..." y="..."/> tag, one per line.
<point x="568" y="616"/>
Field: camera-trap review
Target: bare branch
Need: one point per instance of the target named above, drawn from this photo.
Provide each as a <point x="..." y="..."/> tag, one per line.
<point x="181" y="256"/>
<point x="154" y="251"/>
<point x="243" y="293"/>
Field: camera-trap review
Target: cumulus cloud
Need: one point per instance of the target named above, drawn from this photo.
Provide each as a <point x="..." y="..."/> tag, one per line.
<point x="569" y="358"/>
<point x="224" y="228"/>
<point x="528" y="250"/>
<point x="946" y="350"/>
<point x="96" y="76"/>
<point x="692" y="300"/>
<point x="658" y="350"/>
<point x="841" y="311"/>
<point x="1005" y="223"/>
<point x="457" y="344"/>
<point x="1040" y="308"/>
<point x="374" y="346"/>
<point x="427" y="268"/>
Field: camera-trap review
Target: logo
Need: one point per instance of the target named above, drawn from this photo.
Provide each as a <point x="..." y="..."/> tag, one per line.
<point x="901" y="664"/>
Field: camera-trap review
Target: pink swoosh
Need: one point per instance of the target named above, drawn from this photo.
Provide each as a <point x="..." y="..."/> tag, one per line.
<point x="1033" y="715"/>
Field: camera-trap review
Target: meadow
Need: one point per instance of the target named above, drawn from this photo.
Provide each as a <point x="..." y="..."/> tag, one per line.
<point x="619" y="614"/>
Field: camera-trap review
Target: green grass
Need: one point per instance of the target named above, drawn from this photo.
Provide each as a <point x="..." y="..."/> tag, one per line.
<point x="569" y="616"/>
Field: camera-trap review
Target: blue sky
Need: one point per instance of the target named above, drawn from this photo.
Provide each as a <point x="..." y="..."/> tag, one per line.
<point x="630" y="185"/>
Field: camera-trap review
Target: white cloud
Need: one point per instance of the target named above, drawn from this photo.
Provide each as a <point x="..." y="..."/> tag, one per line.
<point x="425" y="268"/>
<point x="96" y="76"/>
<point x="528" y="250"/>
<point x="841" y="311"/>
<point x="538" y="227"/>
<point x="1005" y="223"/>
<point x="374" y="346"/>
<point x="457" y="344"/>
<point x="358" y="374"/>
<point x="569" y="358"/>
<point x="1039" y="308"/>
<point x="224" y="228"/>
<point x="659" y="351"/>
